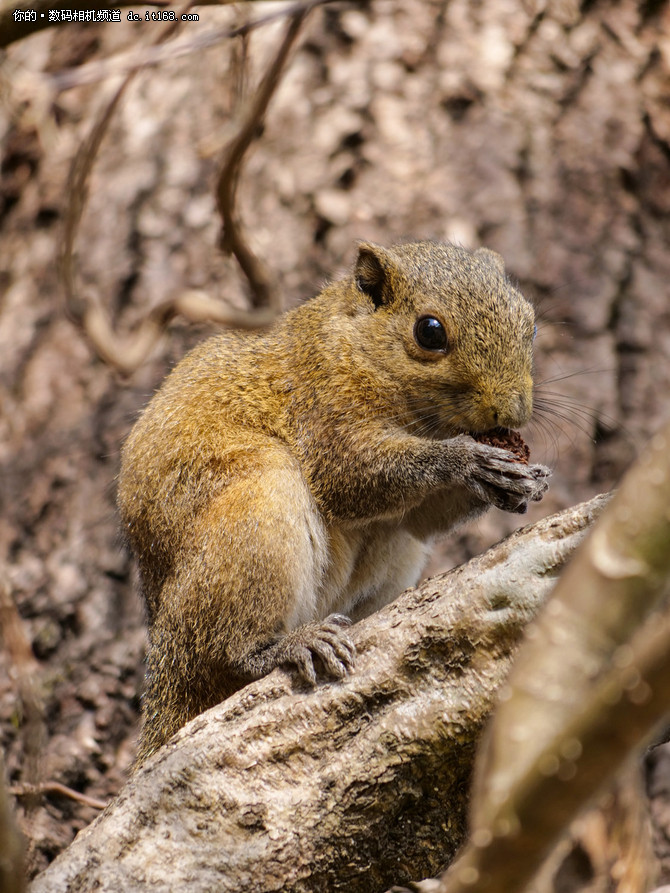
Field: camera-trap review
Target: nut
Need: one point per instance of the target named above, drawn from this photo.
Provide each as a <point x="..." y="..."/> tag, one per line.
<point x="506" y="439"/>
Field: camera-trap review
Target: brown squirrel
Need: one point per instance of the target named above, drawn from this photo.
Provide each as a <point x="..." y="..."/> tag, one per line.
<point x="278" y="481"/>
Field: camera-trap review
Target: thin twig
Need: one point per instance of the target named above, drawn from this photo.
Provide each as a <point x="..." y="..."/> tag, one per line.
<point x="232" y="238"/>
<point x="127" y="354"/>
<point x="55" y="787"/>
<point x="77" y="191"/>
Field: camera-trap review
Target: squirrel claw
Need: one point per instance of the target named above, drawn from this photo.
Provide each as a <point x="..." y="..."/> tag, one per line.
<point x="340" y="620"/>
<point x="324" y="640"/>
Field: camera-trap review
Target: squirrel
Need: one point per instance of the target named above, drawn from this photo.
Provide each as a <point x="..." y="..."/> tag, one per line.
<point x="282" y="484"/>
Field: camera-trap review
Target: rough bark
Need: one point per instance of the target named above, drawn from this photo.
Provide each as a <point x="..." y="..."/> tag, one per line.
<point x="351" y="786"/>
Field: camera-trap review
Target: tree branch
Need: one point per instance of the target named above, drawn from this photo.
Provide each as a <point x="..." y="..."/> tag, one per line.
<point x="352" y="785"/>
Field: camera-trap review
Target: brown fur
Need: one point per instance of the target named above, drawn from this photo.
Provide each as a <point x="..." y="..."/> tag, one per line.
<point x="277" y="478"/>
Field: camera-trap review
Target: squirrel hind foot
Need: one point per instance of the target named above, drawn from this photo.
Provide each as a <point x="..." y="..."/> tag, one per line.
<point x="323" y="640"/>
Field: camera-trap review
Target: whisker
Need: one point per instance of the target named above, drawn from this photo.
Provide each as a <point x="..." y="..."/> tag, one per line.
<point x="546" y="433"/>
<point x="551" y="418"/>
<point x="596" y="370"/>
<point x="573" y="406"/>
<point x="568" y="410"/>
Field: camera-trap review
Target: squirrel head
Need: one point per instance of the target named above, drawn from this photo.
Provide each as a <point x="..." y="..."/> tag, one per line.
<point x="447" y="327"/>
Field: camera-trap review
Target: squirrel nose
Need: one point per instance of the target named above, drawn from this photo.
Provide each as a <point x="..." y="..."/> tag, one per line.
<point x="515" y="414"/>
<point x="512" y="412"/>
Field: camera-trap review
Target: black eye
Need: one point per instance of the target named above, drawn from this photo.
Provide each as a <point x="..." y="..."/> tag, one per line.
<point x="534" y="332"/>
<point x="429" y="333"/>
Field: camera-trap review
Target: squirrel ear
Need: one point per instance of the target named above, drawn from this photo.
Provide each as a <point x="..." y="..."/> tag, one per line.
<point x="492" y="257"/>
<point x="370" y="272"/>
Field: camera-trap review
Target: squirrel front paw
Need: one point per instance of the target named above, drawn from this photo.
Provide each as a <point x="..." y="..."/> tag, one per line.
<point x="496" y="477"/>
<point x="326" y="640"/>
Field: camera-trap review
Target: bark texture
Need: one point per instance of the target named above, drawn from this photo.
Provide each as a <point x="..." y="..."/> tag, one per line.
<point x="352" y="786"/>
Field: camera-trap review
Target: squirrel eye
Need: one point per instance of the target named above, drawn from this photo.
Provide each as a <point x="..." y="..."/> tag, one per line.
<point x="429" y="334"/>
<point x="534" y="333"/>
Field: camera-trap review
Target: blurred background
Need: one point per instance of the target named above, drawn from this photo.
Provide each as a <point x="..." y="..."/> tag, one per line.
<point x="541" y="130"/>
